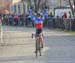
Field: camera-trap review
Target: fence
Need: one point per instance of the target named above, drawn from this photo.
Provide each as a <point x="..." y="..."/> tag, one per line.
<point x="62" y="23"/>
<point x="68" y="24"/>
<point x="18" y="22"/>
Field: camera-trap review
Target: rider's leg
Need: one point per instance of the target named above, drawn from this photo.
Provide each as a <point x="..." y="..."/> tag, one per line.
<point x="36" y="38"/>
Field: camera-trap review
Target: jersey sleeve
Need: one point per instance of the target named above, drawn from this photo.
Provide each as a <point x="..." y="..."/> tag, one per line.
<point x="45" y="14"/>
<point x="43" y="17"/>
<point x="32" y="16"/>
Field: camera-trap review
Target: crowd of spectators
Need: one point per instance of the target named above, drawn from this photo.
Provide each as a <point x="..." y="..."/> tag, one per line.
<point x="50" y="21"/>
<point x="17" y="20"/>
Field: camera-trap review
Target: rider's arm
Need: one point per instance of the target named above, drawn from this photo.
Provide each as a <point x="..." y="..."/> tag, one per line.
<point x="43" y="17"/>
<point x="45" y="14"/>
<point x="32" y="16"/>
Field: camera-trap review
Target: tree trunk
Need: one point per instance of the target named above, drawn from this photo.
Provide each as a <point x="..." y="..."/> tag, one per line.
<point x="71" y="7"/>
<point x="29" y="2"/>
<point x="37" y="4"/>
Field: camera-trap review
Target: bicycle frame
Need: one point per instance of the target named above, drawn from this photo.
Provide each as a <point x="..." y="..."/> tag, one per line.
<point x="38" y="45"/>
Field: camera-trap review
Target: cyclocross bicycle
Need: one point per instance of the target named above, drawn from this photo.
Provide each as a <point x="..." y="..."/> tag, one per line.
<point x="38" y="44"/>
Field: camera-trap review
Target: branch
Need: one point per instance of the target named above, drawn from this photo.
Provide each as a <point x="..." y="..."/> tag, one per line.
<point x="38" y="4"/>
<point x="71" y="7"/>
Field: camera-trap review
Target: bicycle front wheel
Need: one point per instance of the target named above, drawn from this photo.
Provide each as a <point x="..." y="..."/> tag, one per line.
<point x="38" y="48"/>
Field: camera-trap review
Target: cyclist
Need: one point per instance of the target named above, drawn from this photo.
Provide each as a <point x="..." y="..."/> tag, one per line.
<point x="38" y="21"/>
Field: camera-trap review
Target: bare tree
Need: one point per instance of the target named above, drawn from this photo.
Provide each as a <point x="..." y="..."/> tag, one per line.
<point x="29" y="4"/>
<point x="74" y="2"/>
<point x="74" y="7"/>
<point x="37" y="4"/>
<point x="71" y="7"/>
<point x="23" y="5"/>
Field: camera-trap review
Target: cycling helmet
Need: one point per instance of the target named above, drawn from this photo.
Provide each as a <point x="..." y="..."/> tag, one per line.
<point x="39" y="14"/>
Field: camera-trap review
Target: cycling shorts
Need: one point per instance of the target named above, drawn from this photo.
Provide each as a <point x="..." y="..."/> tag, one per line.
<point x="38" y="31"/>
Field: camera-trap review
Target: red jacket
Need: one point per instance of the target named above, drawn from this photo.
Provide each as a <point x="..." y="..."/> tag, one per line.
<point x="65" y="15"/>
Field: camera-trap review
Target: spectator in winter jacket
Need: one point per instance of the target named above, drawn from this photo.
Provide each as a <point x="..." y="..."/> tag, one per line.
<point x="65" y="15"/>
<point x="16" y="19"/>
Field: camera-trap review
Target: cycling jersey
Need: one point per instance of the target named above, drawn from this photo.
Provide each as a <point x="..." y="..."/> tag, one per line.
<point x="38" y="21"/>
